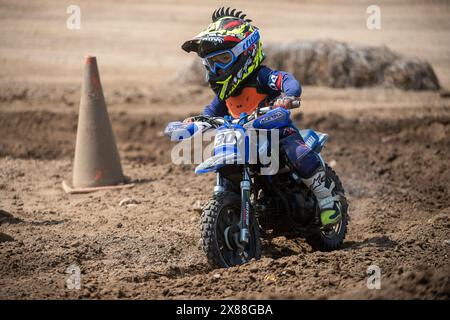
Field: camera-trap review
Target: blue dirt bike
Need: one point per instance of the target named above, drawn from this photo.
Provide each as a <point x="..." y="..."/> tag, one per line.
<point x="248" y="205"/>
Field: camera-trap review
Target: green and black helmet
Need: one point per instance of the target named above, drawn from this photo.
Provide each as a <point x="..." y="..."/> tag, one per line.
<point x="230" y="48"/>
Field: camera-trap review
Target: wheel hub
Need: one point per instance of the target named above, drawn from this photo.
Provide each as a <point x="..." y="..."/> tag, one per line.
<point x="231" y="237"/>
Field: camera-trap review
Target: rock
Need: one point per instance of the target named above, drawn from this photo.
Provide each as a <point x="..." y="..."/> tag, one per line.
<point x="75" y="244"/>
<point x="338" y="65"/>
<point x="104" y="292"/>
<point x="228" y="292"/>
<point x="336" y="266"/>
<point x="253" y="269"/>
<point x="400" y="270"/>
<point x="381" y="171"/>
<point x="271" y="278"/>
<point x="290" y="272"/>
<point x="5" y="216"/>
<point x="198" y="206"/>
<point x="5" y="238"/>
<point x="128" y="202"/>
<point x="392" y="157"/>
<point x="445" y="94"/>
<point x="215" y="278"/>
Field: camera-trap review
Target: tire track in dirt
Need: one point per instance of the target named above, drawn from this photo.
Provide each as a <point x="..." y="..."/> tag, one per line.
<point x="395" y="171"/>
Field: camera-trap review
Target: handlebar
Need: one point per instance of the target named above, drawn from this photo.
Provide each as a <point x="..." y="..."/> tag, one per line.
<point x="260" y="111"/>
<point x="218" y="121"/>
<point x="295" y="105"/>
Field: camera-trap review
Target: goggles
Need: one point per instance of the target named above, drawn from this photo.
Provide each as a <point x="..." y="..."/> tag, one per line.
<point x="223" y="59"/>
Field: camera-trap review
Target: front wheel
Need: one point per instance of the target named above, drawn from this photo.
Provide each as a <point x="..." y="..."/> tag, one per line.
<point x="220" y="232"/>
<point x="332" y="238"/>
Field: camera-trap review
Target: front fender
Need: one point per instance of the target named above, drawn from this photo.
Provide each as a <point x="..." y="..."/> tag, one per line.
<point x="216" y="162"/>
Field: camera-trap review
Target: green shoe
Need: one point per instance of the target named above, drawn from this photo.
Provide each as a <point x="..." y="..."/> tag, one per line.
<point x="330" y="217"/>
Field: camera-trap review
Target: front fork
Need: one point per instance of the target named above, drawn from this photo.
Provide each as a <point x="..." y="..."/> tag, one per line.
<point x="244" y="222"/>
<point x="218" y="188"/>
<point x="245" y="207"/>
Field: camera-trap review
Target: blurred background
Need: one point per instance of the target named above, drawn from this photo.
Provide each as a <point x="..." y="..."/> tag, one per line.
<point x="138" y="42"/>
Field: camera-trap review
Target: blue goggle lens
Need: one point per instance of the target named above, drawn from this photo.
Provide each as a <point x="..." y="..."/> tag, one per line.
<point x="220" y="60"/>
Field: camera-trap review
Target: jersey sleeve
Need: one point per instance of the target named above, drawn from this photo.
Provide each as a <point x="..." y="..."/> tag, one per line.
<point x="217" y="108"/>
<point x="277" y="82"/>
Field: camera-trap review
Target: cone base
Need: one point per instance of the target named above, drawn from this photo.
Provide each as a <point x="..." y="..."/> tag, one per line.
<point x="68" y="189"/>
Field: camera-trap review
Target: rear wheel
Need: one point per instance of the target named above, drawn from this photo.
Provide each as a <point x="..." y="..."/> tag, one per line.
<point x="220" y="232"/>
<point x="332" y="238"/>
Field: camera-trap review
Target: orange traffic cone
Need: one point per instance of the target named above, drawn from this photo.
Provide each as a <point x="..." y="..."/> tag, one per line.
<point x="97" y="163"/>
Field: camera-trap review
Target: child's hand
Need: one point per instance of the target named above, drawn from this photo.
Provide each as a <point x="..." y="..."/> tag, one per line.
<point x="285" y="102"/>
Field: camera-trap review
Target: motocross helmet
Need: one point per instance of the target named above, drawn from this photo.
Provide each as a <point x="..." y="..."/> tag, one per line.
<point x="230" y="48"/>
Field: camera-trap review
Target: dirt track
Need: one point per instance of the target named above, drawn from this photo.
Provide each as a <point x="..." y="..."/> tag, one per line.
<point x="390" y="148"/>
<point x="395" y="170"/>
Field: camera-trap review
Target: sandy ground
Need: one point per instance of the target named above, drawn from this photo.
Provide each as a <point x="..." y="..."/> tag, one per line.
<point x="391" y="149"/>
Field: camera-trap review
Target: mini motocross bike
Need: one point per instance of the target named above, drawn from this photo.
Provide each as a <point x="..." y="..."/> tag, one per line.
<point x="247" y="205"/>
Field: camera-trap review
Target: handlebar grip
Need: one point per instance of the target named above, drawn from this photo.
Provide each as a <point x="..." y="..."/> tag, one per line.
<point x="295" y="104"/>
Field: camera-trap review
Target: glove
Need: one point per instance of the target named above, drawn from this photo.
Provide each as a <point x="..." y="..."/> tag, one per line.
<point x="285" y="102"/>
